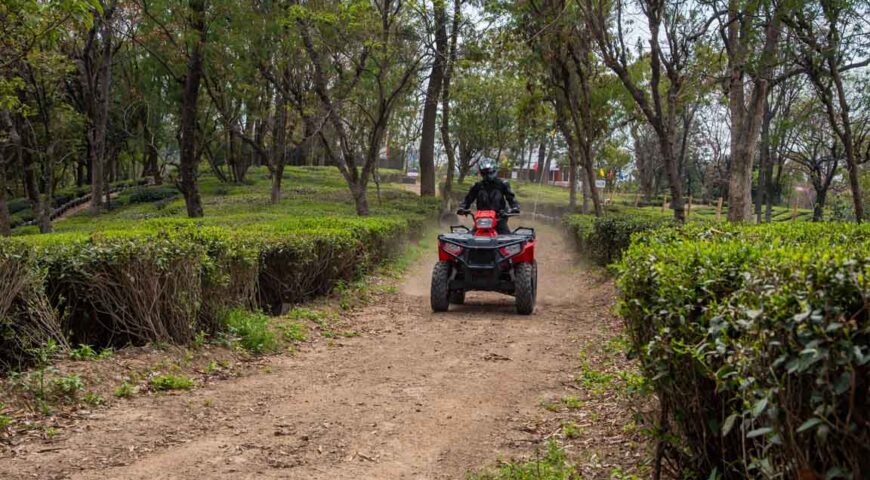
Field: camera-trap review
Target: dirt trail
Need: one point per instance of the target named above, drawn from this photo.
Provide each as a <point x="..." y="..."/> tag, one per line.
<point x="417" y="395"/>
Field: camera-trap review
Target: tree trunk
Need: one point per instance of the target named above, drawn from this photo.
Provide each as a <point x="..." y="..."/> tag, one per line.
<point x="430" y="107"/>
<point x="358" y="191"/>
<point x="845" y="134"/>
<point x="5" y="218"/>
<point x="446" y="195"/>
<point x="819" y="204"/>
<point x="277" y="176"/>
<point x="151" y="167"/>
<point x="279" y="151"/>
<point x="41" y="214"/>
<point x="98" y="123"/>
<point x="189" y="104"/>
<point x="542" y="157"/>
<point x="746" y="117"/>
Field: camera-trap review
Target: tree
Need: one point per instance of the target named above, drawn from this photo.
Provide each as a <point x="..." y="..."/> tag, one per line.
<point x="449" y="70"/>
<point x="752" y="59"/>
<point x="373" y="57"/>
<point x="818" y="153"/>
<point x="830" y="38"/>
<point x="175" y="33"/>
<point x="94" y="63"/>
<point x="676" y="29"/>
<point x="430" y="106"/>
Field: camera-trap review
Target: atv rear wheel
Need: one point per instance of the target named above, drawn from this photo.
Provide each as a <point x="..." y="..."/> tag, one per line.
<point x="439" y="295"/>
<point x="457" y="297"/>
<point x="526" y="288"/>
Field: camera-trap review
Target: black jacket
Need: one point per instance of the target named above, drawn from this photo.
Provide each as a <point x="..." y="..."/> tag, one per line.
<point x="493" y="194"/>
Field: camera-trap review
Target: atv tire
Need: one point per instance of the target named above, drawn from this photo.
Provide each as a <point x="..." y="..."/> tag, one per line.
<point x="526" y="288"/>
<point x="439" y="295"/>
<point x="457" y="297"/>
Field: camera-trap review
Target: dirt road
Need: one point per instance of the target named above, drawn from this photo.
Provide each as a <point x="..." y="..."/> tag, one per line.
<point x="417" y="395"/>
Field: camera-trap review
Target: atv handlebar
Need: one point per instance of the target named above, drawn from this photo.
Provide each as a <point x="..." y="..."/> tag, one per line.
<point x="504" y="213"/>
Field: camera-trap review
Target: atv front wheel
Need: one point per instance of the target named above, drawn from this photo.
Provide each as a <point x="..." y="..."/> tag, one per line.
<point x="526" y="288"/>
<point x="439" y="295"/>
<point x="457" y="297"/>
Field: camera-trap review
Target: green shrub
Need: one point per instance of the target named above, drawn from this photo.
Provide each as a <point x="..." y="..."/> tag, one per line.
<point x="757" y="342"/>
<point x="125" y="390"/>
<point x="152" y="194"/>
<point x="551" y="465"/>
<point x="123" y="288"/>
<point x="141" y="274"/>
<point x="27" y="319"/>
<point x="251" y="331"/>
<point x="170" y="382"/>
<point x="605" y="238"/>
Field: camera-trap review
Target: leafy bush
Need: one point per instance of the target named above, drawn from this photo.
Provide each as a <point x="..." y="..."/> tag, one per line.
<point x="152" y="194"/>
<point x="550" y="465"/>
<point x="605" y="238"/>
<point x="251" y="331"/>
<point x="27" y="319"/>
<point x="169" y="382"/>
<point x="757" y="342"/>
<point x="142" y="274"/>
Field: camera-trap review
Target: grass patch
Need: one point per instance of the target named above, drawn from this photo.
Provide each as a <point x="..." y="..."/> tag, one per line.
<point x="551" y="464"/>
<point x="250" y="331"/>
<point x="171" y="382"/>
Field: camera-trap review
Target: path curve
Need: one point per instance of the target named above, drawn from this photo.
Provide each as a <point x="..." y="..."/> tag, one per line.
<point x="417" y="395"/>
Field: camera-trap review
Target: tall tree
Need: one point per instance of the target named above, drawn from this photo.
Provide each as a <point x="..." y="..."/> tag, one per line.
<point x="449" y="70"/>
<point x="676" y="29"/>
<point x="94" y="62"/>
<point x="363" y="61"/>
<point x="831" y="38"/>
<point x="430" y="105"/>
<point x="752" y="59"/>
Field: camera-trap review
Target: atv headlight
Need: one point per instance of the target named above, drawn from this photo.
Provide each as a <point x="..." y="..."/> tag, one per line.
<point x="451" y="248"/>
<point x="511" y="250"/>
<point x="484" y="223"/>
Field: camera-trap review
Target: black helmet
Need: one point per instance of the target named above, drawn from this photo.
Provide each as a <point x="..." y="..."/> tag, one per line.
<point x="488" y="169"/>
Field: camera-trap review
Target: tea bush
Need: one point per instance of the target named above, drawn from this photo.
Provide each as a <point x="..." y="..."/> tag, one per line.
<point x="27" y="319"/>
<point x="605" y="238"/>
<point x="757" y="342"/>
<point x="143" y="274"/>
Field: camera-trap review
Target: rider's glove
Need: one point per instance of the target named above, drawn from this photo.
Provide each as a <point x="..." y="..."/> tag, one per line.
<point x="462" y="211"/>
<point x="515" y="210"/>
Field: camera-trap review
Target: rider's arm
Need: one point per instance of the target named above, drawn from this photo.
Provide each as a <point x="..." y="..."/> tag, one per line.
<point x="510" y="197"/>
<point x="472" y="196"/>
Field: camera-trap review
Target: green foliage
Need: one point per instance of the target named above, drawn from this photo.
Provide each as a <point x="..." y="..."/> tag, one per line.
<point x="250" y="331"/>
<point x="125" y="390"/>
<point x="5" y="420"/>
<point x="149" y="275"/>
<point x="294" y="331"/>
<point x="170" y="382"/>
<point x="151" y="194"/>
<point x="551" y="465"/>
<point x="605" y="238"/>
<point x="93" y="399"/>
<point x="68" y="387"/>
<point x="756" y="341"/>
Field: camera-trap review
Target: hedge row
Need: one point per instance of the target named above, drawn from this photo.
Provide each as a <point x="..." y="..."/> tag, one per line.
<point x="757" y="342"/>
<point x="170" y="280"/>
<point x="605" y="238"/>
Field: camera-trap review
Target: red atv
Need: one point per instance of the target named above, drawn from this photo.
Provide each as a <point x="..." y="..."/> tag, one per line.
<point x="480" y="259"/>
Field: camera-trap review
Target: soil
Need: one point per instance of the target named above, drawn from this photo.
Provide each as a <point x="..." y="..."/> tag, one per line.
<point x="415" y="395"/>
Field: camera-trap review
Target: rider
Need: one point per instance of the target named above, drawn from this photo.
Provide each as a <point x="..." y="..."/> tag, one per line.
<point x="491" y="193"/>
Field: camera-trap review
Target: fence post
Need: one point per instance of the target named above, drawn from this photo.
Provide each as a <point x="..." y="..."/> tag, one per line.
<point x="719" y="209"/>
<point x="636" y="199"/>
<point x="689" y="208"/>
<point x="665" y="203"/>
